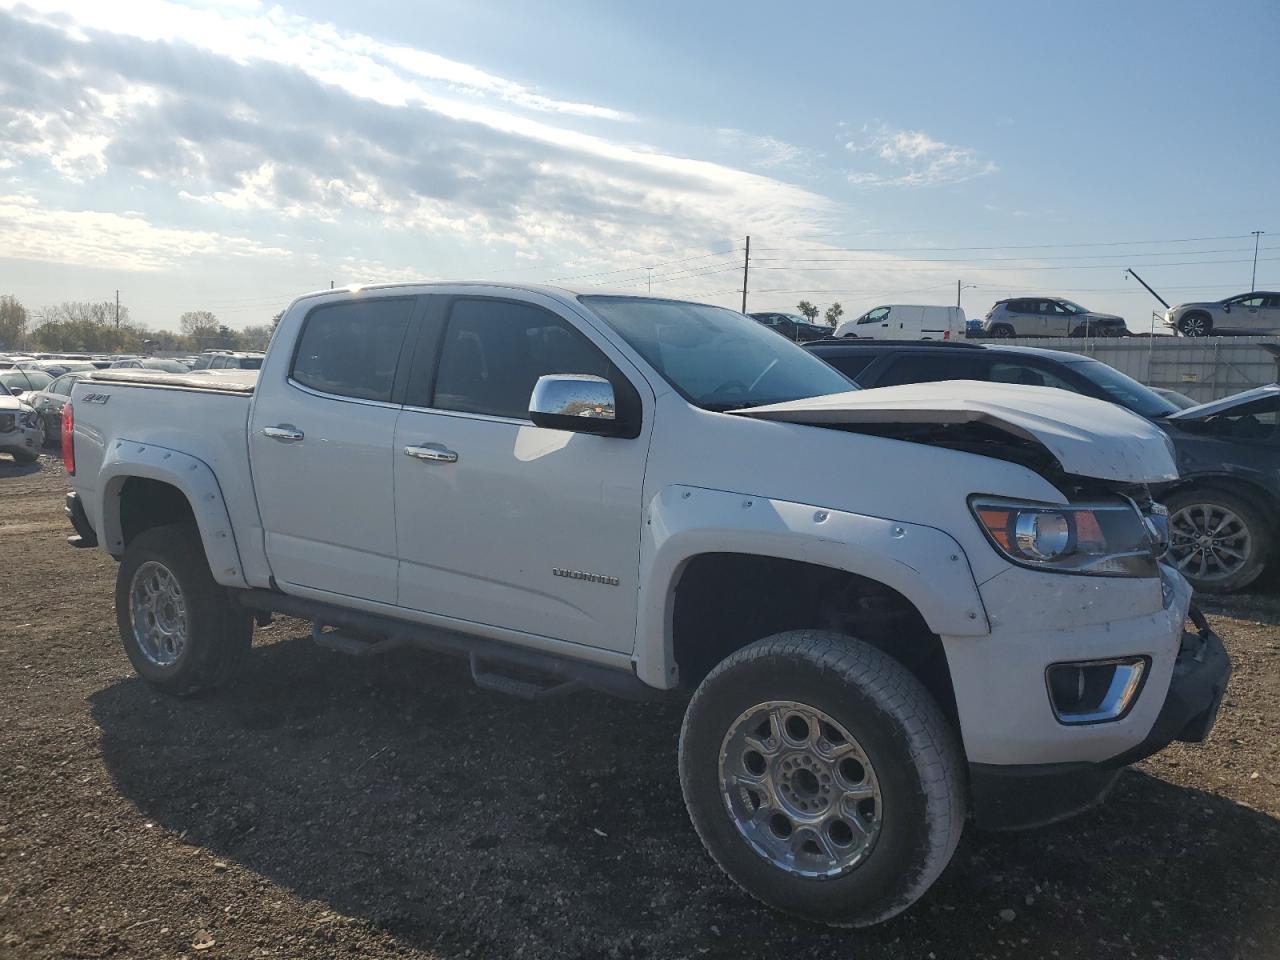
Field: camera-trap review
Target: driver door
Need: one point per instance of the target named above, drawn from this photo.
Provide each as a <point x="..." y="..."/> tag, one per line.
<point x="493" y="514"/>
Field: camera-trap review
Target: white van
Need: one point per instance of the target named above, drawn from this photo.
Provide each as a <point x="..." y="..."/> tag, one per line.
<point x="906" y="322"/>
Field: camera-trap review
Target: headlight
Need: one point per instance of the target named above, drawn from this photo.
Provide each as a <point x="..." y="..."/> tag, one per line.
<point x="28" y="417"/>
<point x="1097" y="539"/>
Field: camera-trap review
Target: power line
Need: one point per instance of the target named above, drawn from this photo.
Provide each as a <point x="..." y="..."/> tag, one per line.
<point x="1099" y="266"/>
<point x="1083" y="256"/>
<point x="1014" y="246"/>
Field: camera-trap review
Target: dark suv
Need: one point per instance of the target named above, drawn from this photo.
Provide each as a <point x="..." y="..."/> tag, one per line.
<point x="792" y="327"/>
<point x="1223" y="504"/>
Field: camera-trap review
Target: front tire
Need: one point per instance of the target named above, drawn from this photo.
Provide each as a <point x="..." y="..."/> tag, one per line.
<point x="822" y="777"/>
<point x="1195" y="325"/>
<point x="180" y="630"/>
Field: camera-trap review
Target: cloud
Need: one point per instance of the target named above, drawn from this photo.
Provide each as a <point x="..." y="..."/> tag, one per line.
<point x="233" y="112"/>
<point x="912" y="158"/>
<point x="29" y="231"/>
<point x="764" y="151"/>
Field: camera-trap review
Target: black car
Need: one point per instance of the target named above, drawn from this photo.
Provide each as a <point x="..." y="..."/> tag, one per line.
<point x="792" y="327"/>
<point x="1223" y="505"/>
<point x="50" y="401"/>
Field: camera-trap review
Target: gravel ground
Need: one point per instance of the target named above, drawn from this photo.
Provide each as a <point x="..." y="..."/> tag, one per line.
<point x="327" y="807"/>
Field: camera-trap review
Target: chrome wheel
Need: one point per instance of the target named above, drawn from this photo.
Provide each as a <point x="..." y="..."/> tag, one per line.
<point x="1209" y="542"/>
<point x="158" y="612"/>
<point x="800" y="789"/>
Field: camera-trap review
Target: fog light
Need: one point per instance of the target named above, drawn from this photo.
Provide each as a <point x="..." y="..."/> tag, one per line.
<point x="1095" y="691"/>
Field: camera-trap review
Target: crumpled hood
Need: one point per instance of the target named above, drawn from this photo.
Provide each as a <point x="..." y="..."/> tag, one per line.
<point x="1090" y="438"/>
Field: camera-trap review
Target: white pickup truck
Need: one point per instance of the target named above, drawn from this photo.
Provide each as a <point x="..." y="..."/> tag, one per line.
<point x="891" y="609"/>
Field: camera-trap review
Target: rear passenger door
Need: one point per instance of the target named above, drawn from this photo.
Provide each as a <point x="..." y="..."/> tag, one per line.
<point x="927" y="366"/>
<point x="320" y="448"/>
<point x="489" y="506"/>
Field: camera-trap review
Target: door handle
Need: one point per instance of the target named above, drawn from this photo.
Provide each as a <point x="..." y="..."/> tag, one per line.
<point x="431" y="451"/>
<point x="285" y="433"/>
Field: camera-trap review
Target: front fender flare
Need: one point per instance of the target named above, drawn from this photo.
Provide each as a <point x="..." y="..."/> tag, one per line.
<point x="193" y="478"/>
<point x="924" y="564"/>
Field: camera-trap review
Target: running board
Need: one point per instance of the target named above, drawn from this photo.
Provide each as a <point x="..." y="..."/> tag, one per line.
<point x="517" y="686"/>
<point x="367" y="634"/>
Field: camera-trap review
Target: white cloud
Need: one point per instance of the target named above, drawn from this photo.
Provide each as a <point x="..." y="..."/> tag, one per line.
<point x="261" y="113"/>
<point x="912" y="158"/>
<point x="96" y="238"/>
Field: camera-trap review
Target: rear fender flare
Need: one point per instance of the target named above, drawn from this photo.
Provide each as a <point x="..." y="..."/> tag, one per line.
<point x="194" y="479"/>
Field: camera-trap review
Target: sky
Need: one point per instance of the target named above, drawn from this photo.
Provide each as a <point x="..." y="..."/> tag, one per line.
<point x="228" y="156"/>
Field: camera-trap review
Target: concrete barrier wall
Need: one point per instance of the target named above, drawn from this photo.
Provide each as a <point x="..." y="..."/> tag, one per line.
<point x="1204" y="368"/>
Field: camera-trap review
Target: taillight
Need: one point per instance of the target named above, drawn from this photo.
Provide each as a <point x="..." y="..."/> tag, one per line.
<point x="946" y="334"/>
<point x="69" y="438"/>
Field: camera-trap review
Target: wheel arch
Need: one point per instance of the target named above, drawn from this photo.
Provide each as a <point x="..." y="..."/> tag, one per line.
<point x="712" y="554"/>
<point x="727" y="601"/>
<point x="145" y="486"/>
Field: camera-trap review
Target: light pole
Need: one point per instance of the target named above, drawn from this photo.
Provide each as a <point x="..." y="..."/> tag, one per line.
<point x="963" y="286"/>
<point x="1253" y="283"/>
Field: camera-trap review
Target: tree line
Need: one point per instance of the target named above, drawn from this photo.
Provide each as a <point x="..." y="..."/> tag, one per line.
<point x="103" y="327"/>
<point x="810" y="312"/>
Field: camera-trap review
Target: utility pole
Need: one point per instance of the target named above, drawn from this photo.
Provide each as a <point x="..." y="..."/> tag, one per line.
<point x="1253" y="284"/>
<point x="330" y="284"/>
<point x="958" y="288"/>
<point x="650" y="269"/>
<point x="963" y="286"/>
<point x="118" y="306"/>
<point x="746" y="266"/>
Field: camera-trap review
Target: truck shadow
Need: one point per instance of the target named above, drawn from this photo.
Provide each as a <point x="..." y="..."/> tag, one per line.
<point x="396" y="793"/>
<point x="12" y="468"/>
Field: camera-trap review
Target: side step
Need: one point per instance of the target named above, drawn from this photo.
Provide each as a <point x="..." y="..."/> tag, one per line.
<point x="540" y="674"/>
<point x="352" y="644"/>
<point x="517" y="686"/>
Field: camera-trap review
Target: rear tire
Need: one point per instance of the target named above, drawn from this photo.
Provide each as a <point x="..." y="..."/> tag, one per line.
<point x="180" y="630"/>
<point x="1003" y="331"/>
<point x="851" y="864"/>
<point x="1231" y="523"/>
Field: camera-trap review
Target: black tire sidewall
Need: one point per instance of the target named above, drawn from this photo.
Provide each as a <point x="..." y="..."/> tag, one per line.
<point x="214" y="630"/>
<point x="878" y="884"/>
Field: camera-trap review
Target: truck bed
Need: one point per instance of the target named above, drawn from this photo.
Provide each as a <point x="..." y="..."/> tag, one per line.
<point x="218" y="381"/>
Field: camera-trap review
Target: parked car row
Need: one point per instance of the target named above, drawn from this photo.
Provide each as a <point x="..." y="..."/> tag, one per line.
<point x="60" y="363"/>
<point x="1256" y="313"/>
<point x="1224" y="504"/>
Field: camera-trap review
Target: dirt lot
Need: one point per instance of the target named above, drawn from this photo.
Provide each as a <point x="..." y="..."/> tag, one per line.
<point x="326" y="807"/>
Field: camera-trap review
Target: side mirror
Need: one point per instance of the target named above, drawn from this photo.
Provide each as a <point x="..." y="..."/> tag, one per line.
<point x="574" y="401"/>
<point x="16" y="391"/>
<point x="1226" y="308"/>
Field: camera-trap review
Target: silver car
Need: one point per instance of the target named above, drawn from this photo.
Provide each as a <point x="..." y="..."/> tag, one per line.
<point x="1246" y="313"/>
<point x="21" y="430"/>
<point x="1049" y="317"/>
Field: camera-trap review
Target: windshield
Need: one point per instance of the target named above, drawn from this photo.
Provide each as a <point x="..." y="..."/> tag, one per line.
<point x="1126" y="391"/>
<point x="717" y="358"/>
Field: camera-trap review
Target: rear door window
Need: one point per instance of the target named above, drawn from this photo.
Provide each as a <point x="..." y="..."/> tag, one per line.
<point x="929" y="367"/>
<point x="351" y="349"/>
<point x="1028" y="374"/>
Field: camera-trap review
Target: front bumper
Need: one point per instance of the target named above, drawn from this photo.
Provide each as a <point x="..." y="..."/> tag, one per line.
<point x="21" y="439"/>
<point x="1019" y="796"/>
